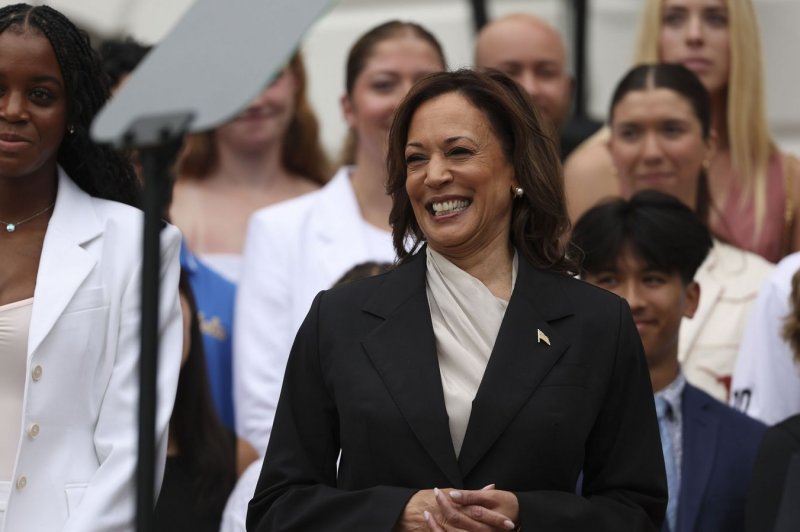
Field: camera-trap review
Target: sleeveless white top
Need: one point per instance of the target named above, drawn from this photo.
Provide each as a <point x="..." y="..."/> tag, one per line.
<point x="15" y="321"/>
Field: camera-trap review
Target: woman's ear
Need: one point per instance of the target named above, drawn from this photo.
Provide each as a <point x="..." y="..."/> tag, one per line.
<point x="692" y="299"/>
<point x="347" y="110"/>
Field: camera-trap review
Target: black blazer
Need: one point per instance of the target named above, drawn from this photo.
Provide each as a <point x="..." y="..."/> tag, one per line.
<point x="363" y="377"/>
<point x="774" y="491"/>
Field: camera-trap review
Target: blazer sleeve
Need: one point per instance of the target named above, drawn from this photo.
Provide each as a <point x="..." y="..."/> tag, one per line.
<point x="263" y="331"/>
<point x="109" y="500"/>
<point x="297" y="488"/>
<point x="624" y="480"/>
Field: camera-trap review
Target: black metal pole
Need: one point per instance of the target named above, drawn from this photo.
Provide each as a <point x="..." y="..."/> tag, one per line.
<point x="579" y="27"/>
<point x="479" y="16"/>
<point x="157" y="186"/>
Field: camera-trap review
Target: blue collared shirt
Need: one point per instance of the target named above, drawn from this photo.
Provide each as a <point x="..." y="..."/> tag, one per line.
<point x="673" y="395"/>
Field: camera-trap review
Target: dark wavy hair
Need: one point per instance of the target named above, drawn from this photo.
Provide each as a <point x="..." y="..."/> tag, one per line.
<point x="97" y="169"/>
<point x="686" y="84"/>
<point x="539" y="220"/>
<point x="205" y="447"/>
<point x="658" y="228"/>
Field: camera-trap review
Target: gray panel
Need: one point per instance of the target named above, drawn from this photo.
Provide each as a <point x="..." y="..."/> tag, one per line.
<point x="217" y="59"/>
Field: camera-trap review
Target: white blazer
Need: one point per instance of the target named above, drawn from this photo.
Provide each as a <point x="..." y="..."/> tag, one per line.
<point x="729" y="280"/>
<point x="76" y="458"/>
<point x="766" y="383"/>
<point x="293" y="250"/>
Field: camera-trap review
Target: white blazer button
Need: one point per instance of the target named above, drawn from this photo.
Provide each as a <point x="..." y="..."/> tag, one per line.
<point x="22" y="481"/>
<point x="36" y="374"/>
<point x="33" y="430"/>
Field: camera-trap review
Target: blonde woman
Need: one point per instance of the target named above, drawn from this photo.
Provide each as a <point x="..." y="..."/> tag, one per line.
<point x="754" y="187"/>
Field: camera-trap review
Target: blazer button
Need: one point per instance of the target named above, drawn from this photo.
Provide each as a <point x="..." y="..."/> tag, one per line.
<point x="36" y="374"/>
<point x="33" y="430"/>
<point x="22" y="481"/>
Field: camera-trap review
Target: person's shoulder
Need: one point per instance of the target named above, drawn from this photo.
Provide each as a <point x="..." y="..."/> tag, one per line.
<point x="788" y="430"/>
<point x="778" y="285"/>
<point x="585" y="298"/>
<point x="589" y="175"/>
<point x="288" y="212"/>
<point x="125" y="219"/>
<point x="114" y="210"/>
<point x="577" y="288"/>
<point x="787" y="266"/>
<point x="741" y="270"/>
<point x="356" y="293"/>
<point x="294" y="211"/>
<point x="589" y="150"/>
<point x="731" y="420"/>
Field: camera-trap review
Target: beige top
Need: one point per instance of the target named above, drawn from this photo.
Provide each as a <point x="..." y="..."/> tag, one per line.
<point x="15" y="321"/>
<point x="466" y="318"/>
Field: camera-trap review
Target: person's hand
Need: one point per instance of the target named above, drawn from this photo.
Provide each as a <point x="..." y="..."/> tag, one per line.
<point x="421" y="503"/>
<point x="469" y="509"/>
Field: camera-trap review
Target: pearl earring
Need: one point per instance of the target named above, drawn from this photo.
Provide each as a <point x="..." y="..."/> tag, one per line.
<point x="518" y="192"/>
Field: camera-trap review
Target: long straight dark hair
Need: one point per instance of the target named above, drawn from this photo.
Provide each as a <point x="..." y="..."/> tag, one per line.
<point x="205" y="447"/>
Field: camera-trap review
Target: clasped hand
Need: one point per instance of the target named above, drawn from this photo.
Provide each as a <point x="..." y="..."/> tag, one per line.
<point x="446" y="510"/>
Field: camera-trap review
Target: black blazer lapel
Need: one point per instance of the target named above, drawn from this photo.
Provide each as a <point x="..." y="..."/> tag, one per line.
<point x="700" y="432"/>
<point x="520" y="359"/>
<point x="403" y="350"/>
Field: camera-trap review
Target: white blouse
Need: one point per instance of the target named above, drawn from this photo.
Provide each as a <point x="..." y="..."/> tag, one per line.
<point x="466" y="318"/>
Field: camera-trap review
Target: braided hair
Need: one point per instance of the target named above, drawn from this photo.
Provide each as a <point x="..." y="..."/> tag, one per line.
<point x="97" y="169"/>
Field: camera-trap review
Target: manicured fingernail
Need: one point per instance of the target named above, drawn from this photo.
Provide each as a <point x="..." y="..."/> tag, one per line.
<point x="426" y="514"/>
<point x="455" y="494"/>
<point x="509" y="525"/>
<point x="488" y="487"/>
<point x="435" y="492"/>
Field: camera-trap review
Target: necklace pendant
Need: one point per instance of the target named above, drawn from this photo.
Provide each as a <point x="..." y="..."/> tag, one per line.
<point x="11" y="228"/>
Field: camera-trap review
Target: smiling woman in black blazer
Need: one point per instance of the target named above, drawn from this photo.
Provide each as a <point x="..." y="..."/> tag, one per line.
<point x="478" y="365"/>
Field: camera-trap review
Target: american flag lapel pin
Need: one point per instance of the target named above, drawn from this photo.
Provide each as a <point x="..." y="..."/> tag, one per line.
<point x="541" y="337"/>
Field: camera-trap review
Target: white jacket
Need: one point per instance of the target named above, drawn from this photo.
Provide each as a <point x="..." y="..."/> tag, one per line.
<point x="766" y="383"/>
<point x="75" y="472"/>
<point x="729" y="280"/>
<point x="293" y="250"/>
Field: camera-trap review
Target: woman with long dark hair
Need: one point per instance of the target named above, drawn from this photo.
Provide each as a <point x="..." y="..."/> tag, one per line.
<point x="70" y="291"/>
<point x="200" y="470"/>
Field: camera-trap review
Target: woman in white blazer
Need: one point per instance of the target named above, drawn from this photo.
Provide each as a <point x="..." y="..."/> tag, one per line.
<point x="70" y="291"/>
<point x="301" y="246"/>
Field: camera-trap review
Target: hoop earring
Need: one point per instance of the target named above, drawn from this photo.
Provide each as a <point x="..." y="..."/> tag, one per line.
<point x="518" y="192"/>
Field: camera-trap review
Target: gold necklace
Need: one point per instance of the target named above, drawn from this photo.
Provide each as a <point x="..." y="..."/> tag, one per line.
<point x="11" y="227"/>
